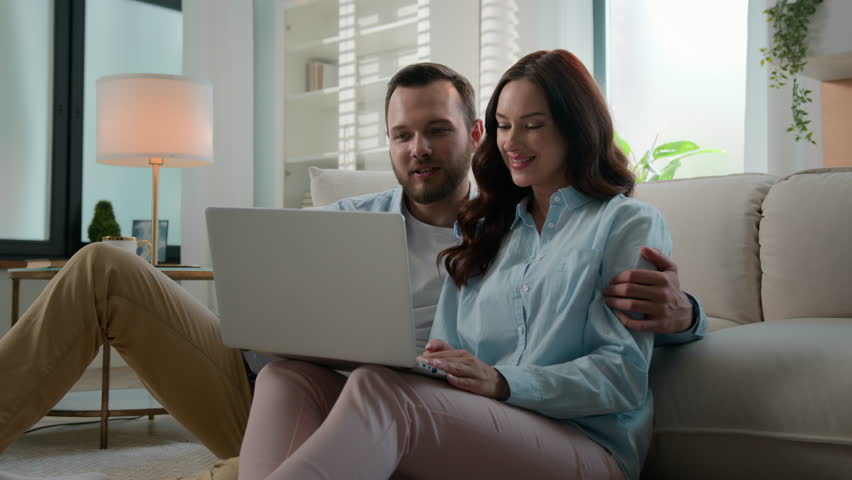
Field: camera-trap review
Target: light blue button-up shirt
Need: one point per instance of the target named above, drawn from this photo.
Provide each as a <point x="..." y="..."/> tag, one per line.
<point x="538" y="315"/>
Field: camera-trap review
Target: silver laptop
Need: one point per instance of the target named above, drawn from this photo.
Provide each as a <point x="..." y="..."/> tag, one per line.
<point x="316" y="285"/>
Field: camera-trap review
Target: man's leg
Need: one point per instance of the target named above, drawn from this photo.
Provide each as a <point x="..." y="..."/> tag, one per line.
<point x="163" y="333"/>
<point x="385" y="420"/>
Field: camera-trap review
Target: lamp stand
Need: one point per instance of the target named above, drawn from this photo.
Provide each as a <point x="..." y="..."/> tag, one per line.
<point x="155" y="163"/>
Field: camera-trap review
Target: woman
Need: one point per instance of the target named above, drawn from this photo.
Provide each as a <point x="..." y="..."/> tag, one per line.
<point x="544" y="381"/>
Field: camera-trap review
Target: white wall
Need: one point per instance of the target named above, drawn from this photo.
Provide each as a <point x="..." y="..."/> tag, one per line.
<point x="830" y="32"/>
<point x="218" y="45"/>
<point x="268" y="103"/>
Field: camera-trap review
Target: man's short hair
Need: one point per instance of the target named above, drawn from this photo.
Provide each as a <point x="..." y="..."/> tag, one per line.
<point x="426" y="73"/>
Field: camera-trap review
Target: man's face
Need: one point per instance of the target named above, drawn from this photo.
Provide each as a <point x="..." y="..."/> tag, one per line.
<point x="430" y="144"/>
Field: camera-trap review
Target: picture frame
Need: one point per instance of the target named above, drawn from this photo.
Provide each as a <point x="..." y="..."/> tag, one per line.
<point x="142" y="231"/>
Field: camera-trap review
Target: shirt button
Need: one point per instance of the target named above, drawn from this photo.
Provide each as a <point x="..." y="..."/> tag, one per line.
<point x="551" y="225"/>
<point x="520" y="329"/>
<point x="525" y="288"/>
<point x="557" y="200"/>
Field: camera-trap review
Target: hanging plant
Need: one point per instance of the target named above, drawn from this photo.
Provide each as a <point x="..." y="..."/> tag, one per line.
<point x="790" y="20"/>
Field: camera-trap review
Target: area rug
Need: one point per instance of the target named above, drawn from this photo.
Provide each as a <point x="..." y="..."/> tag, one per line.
<point x="139" y="449"/>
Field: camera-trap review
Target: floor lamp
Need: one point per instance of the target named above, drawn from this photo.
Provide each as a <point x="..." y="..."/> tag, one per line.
<point x="149" y="120"/>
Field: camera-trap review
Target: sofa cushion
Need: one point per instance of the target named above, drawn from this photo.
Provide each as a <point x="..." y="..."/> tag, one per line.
<point x="805" y="240"/>
<point x="714" y="222"/>
<point x="767" y="400"/>
<point x="331" y="185"/>
<point x="714" y="324"/>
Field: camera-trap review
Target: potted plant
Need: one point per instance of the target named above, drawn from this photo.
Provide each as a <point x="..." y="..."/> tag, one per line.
<point x="103" y="224"/>
<point x="646" y="168"/>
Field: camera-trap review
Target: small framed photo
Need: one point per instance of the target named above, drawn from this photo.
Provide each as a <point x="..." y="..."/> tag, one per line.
<point x="142" y="231"/>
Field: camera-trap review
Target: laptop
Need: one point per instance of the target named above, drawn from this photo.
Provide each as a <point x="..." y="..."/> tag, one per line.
<point x="321" y="286"/>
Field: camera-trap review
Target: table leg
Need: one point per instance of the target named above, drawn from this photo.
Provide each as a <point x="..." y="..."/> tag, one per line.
<point x="105" y="395"/>
<point x="16" y="297"/>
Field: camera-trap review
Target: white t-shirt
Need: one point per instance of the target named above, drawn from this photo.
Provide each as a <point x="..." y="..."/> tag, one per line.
<point x="427" y="277"/>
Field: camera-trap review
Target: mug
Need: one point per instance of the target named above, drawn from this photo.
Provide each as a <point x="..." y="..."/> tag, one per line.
<point x="129" y="245"/>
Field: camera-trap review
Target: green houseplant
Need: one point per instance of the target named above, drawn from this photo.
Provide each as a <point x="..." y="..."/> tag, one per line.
<point x="103" y="224"/>
<point x="790" y="20"/>
<point x="646" y="167"/>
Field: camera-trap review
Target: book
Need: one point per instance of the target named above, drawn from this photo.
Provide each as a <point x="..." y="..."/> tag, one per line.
<point x="46" y="263"/>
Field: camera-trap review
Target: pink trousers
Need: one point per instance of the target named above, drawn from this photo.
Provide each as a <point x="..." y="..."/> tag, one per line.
<point x="310" y="422"/>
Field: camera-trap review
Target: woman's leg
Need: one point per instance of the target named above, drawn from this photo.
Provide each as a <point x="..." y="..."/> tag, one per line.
<point x="386" y="420"/>
<point x="291" y="400"/>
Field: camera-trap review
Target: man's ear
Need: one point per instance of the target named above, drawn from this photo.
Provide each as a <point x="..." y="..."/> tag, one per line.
<point x="477" y="132"/>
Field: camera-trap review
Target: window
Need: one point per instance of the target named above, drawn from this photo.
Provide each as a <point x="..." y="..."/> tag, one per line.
<point x="677" y="71"/>
<point x="49" y="176"/>
<point x="128" y="36"/>
<point x="34" y="111"/>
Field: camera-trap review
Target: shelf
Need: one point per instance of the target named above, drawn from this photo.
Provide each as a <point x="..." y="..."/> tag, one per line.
<point x="296" y="4"/>
<point x="387" y="36"/>
<point x="374" y="151"/>
<point x="372" y="90"/>
<point x="324" y="48"/>
<point x="325" y="98"/>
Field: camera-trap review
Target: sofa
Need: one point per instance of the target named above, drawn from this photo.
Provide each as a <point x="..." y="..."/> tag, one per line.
<point x="768" y="392"/>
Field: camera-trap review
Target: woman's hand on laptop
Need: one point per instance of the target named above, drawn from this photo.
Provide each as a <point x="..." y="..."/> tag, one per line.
<point x="466" y="372"/>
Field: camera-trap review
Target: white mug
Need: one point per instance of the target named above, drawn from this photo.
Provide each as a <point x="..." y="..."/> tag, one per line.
<point x="128" y="244"/>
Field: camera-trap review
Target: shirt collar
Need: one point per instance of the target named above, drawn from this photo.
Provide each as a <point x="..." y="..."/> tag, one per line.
<point x="567" y="198"/>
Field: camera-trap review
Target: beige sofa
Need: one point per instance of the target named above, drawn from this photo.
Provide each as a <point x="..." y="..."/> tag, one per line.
<point x="768" y="392"/>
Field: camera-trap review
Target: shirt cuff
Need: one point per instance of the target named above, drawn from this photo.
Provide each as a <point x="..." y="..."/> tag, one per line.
<point x="523" y="389"/>
<point x="696" y="312"/>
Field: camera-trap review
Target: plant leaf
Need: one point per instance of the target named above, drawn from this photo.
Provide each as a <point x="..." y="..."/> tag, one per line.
<point x="674" y="148"/>
<point x="669" y="172"/>
<point x="622" y="144"/>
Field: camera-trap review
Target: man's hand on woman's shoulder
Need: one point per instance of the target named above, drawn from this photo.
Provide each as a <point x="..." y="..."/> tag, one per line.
<point x="656" y="295"/>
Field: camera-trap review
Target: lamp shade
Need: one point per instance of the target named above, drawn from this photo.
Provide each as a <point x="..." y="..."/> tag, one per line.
<point x="143" y="116"/>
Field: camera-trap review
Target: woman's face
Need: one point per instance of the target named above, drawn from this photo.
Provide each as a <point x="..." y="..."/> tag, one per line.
<point x="529" y="142"/>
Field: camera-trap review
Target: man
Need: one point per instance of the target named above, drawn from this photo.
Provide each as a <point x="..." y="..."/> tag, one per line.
<point x="172" y="341"/>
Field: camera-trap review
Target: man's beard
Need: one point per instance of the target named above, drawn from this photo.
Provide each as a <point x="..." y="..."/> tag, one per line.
<point x="452" y="178"/>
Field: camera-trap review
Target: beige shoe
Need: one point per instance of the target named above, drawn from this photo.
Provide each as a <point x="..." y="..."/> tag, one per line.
<point x="222" y="470"/>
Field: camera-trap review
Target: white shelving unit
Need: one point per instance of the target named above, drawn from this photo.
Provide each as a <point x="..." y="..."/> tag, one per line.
<point x="342" y="124"/>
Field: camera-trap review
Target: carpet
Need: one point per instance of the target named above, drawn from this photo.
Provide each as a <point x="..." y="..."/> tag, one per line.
<point x="139" y="449"/>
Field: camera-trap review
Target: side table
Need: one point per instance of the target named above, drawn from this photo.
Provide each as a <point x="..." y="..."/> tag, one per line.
<point x="175" y="273"/>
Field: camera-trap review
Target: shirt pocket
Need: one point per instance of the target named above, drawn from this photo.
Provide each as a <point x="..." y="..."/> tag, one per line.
<point x="572" y="282"/>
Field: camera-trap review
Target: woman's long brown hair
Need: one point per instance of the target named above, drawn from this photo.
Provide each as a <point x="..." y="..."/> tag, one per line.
<point x="594" y="165"/>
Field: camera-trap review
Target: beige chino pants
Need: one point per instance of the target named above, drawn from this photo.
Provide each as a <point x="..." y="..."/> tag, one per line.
<point x="164" y="334"/>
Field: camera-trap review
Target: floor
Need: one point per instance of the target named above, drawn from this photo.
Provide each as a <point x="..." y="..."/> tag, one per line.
<point x="139" y="448"/>
<point x="120" y="378"/>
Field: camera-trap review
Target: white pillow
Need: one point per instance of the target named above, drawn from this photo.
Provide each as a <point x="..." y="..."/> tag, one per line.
<point x="331" y="185"/>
